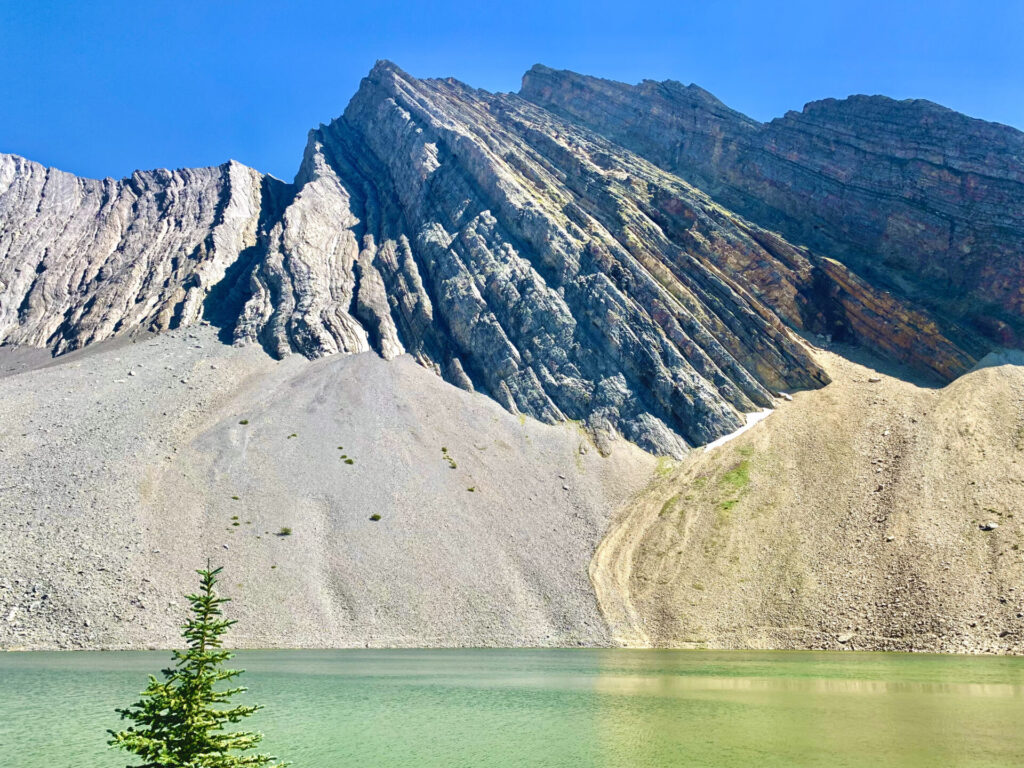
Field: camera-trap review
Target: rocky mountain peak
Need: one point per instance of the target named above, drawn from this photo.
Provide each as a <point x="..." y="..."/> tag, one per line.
<point x="539" y="248"/>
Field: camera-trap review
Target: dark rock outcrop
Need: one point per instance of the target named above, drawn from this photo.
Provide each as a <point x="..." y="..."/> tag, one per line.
<point x="506" y="247"/>
<point x="916" y="197"/>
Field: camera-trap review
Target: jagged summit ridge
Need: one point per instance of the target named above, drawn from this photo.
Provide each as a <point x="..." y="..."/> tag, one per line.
<point x="498" y="278"/>
<point x="918" y="198"/>
<point x="502" y="244"/>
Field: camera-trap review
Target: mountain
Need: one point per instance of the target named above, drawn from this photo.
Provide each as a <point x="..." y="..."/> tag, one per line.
<point x="921" y="199"/>
<point x="633" y="267"/>
<point x="506" y="248"/>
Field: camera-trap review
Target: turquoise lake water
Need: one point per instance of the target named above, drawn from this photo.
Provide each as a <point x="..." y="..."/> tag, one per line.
<point x="558" y="708"/>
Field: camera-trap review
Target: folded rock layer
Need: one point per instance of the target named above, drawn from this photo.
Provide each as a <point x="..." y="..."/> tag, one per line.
<point x="503" y="244"/>
<point x="915" y="195"/>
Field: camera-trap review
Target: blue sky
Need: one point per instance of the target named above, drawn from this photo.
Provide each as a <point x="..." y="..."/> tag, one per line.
<point x="102" y="88"/>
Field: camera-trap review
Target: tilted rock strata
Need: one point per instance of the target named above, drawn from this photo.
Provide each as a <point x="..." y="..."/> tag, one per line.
<point x="907" y="191"/>
<point x="506" y="248"/>
<point x="543" y="280"/>
<point x="82" y="260"/>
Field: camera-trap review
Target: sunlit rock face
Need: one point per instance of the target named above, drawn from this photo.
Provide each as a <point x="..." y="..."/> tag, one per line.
<point x="515" y="246"/>
<point x="82" y="260"/>
<point x="922" y="199"/>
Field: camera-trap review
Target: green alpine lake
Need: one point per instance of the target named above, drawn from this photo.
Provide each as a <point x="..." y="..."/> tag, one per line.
<point x="557" y="708"/>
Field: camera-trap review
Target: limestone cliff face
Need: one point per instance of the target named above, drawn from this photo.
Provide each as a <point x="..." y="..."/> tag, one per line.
<point x="913" y="195"/>
<point x="504" y="246"/>
<point x="82" y="260"/>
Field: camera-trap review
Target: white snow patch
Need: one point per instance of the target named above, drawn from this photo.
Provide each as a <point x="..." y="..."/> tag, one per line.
<point x="752" y="419"/>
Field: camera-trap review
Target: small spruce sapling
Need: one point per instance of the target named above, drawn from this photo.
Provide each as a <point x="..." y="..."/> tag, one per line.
<point x="179" y="721"/>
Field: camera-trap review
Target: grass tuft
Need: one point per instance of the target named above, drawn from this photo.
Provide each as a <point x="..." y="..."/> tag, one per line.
<point x="665" y="466"/>
<point x="448" y="458"/>
<point x="736" y="478"/>
<point x="734" y="485"/>
<point x="669" y="506"/>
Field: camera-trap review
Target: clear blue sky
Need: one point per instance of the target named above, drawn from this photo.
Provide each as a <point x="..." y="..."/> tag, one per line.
<point x="101" y="88"/>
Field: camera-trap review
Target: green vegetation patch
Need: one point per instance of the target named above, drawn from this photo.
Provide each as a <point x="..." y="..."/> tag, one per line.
<point x="669" y="506"/>
<point x="732" y="486"/>
<point x="665" y="466"/>
<point x="448" y="458"/>
<point x="737" y="478"/>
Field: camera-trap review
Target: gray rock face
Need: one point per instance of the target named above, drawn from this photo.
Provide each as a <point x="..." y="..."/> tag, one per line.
<point x="914" y="196"/>
<point x="506" y="248"/>
<point x="82" y="260"/>
<point x="527" y="264"/>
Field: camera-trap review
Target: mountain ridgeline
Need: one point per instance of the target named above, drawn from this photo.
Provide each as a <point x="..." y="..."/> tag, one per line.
<point x="915" y="196"/>
<point x="641" y="259"/>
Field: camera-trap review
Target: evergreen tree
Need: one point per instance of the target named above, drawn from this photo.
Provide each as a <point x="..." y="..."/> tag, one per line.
<point x="180" y="720"/>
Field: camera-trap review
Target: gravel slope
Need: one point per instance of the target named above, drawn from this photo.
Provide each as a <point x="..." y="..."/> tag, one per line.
<point x="852" y="517"/>
<point x="120" y="464"/>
